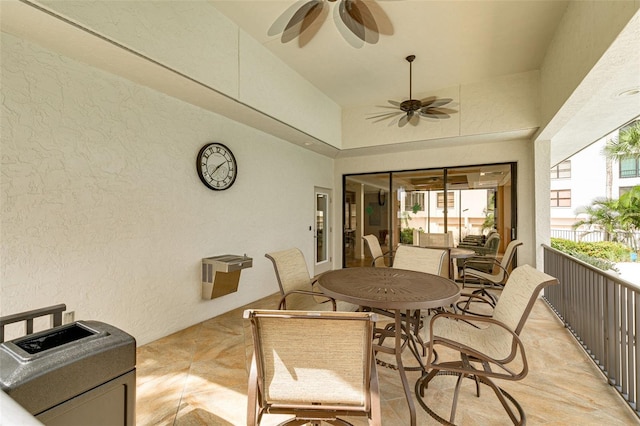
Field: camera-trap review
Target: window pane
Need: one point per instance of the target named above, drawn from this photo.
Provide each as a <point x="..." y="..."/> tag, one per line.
<point x="561" y="198"/>
<point x="414" y="201"/>
<point x="441" y="200"/>
<point x="628" y="167"/>
<point x="562" y="170"/>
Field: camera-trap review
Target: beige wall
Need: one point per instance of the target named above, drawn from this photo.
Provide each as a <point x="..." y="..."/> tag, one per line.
<point x="102" y="208"/>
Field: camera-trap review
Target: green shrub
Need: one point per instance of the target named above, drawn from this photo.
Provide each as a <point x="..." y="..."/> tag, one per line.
<point x="602" y="254"/>
<point x="406" y="236"/>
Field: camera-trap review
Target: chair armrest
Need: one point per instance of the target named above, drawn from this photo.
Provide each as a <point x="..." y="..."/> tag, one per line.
<point x="485" y="251"/>
<point x="486" y="261"/>
<point x="470" y="244"/>
<point x="483" y="260"/>
<point x="504" y="373"/>
<point x="388" y="254"/>
<point x="315" y="294"/>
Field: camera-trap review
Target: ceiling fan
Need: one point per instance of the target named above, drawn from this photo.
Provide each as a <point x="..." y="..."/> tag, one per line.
<point x="305" y="19"/>
<point x="411" y="110"/>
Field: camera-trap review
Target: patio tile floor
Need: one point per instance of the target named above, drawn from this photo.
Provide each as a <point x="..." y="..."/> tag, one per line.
<point x="198" y="376"/>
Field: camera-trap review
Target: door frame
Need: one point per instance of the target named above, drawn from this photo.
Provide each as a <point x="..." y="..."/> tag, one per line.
<point x="326" y="264"/>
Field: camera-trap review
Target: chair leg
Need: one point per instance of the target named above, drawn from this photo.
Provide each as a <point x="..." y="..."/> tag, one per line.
<point x="375" y="418"/>
<point x="253" y="414"/>
<point x="456" y="393"/>
<point x="518" y="416"/>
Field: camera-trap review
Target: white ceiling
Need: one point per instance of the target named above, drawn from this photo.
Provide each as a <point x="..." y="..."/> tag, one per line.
<point x="455" y="42"/>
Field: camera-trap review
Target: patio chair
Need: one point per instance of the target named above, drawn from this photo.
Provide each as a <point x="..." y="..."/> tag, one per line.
<point x="488" y="250"/>
<point x="431" y="261"/>
<point x="489" y="348"/>
<point x="296" y="285"/>
<point x="376" y="251"/>
<point x="431" y="239"/>
<point x="324" y="378"/>
<point x="485" y="280"/>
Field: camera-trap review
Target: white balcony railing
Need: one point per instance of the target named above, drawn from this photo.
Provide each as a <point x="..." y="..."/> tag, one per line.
<point x="629" y="238"/>
<point x="602" y="312"/>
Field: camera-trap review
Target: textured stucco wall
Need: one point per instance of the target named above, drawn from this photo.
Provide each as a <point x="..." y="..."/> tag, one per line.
<point x="195" y="39"/>
<point x="102" y="208"/>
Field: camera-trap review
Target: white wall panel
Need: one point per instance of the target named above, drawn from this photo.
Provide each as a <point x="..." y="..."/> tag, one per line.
<point x="275" y="89"/>
<point x="191" y="37"/>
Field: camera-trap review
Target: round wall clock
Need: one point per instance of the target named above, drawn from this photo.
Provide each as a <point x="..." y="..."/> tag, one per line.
<point x="216" y="166"/>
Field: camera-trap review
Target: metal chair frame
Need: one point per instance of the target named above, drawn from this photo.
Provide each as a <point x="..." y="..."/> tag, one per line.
<point x="376" y="251"/>
<point x="493" y="361"/>
<point x="486" y="281"/>
<point x="292" y="281"/>
<point x="329" y="381"/>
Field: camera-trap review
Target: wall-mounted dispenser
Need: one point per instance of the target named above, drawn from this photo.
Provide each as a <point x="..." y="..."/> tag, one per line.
<point x="221" y="274"/>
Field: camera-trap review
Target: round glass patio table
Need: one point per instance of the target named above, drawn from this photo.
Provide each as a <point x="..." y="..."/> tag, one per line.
<point x="394" y="290"/>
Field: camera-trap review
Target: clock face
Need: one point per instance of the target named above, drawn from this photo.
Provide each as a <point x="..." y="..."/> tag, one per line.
<point x="216" y="166"/>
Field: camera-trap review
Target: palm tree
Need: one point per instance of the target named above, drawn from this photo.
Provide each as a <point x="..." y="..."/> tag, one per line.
<point x="626" y="145"/>
<point x="602" y="214"/>
<point x="629" y="208"/>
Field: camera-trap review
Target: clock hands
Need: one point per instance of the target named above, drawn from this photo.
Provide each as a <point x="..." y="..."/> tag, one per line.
<point x="216" y="169"/>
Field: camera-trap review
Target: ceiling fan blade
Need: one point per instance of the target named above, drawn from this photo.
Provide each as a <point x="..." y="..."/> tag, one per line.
<point x="387" y="107"/>
<point x="384" y="116"/>
<point x="414" y="119"/>
<point x="365" y="18"/>
<point x="403" y="120"/>
<point x="437" y="102"/>
<point x="383" y="23"/>
<point x="437" y="112"/>
<point x="427" y="101"/>
<point x="352" y="19"/>
<point x="394" y="103"/>
<point x="393" y="117"/>
<point x="435" y="117"/>
<point x="312" y="24"/>
<point x="302" y="19"/>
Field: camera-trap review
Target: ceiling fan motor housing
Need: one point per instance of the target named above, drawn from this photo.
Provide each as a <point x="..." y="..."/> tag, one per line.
<point x="411" y="105"/>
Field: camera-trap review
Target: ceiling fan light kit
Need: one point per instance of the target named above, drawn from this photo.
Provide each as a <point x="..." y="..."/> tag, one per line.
<point x="411" y="110"/>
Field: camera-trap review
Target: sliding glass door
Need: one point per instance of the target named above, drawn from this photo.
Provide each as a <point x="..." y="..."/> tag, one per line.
<point x="395" y="206"/>
<point x="368" y="203"/>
